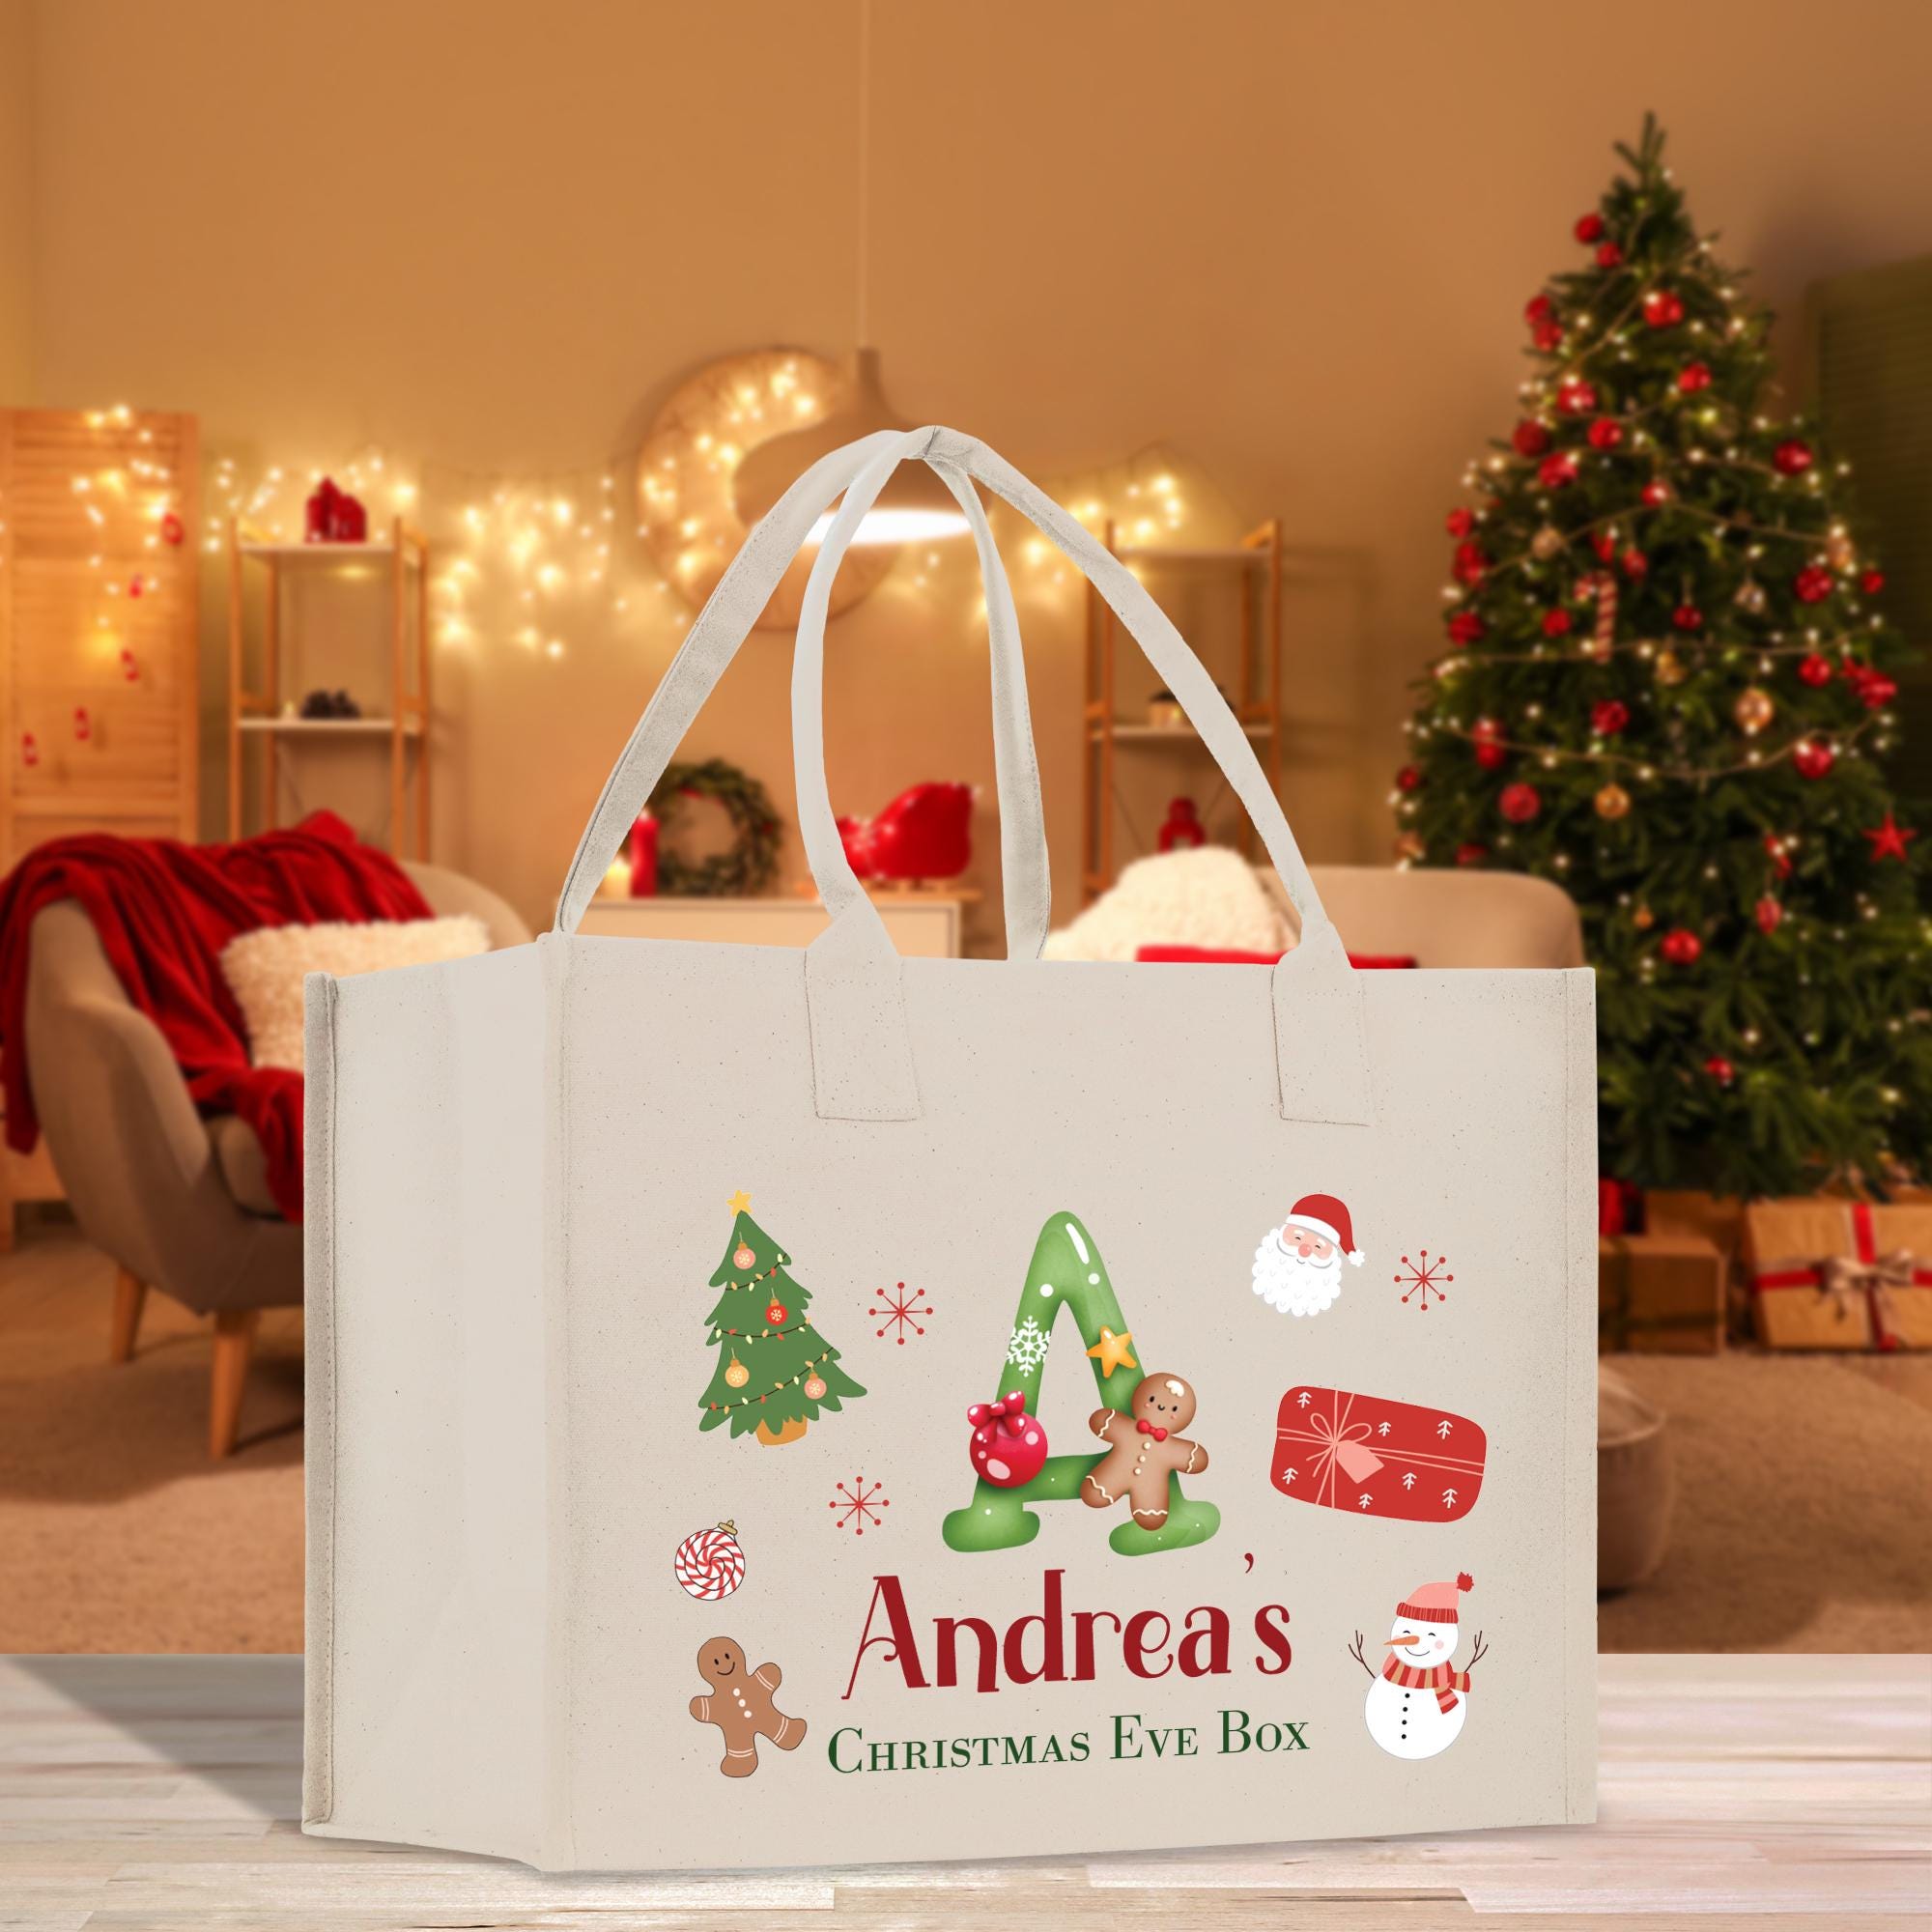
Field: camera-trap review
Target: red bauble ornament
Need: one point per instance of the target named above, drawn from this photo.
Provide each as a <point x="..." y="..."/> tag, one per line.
<point x="1008" y="1446"/>
<point x="1408" y="779"/>
<point x="1814" y="670"/>
<point x="814" y="1387"/>
<point x="173" y="531"/>
<point x="775" y="1315"/>
<point x="1768" y="912"/>
<point x="1471" y="855"/>
<point x="1687" y="617"/>
<point x="137" y="587"/>
<point x="1556" y="623"/>
<point x="1465" y="627"/>
<point x="1813" y="758"/>
<point x="1485" y="728"/>
<point x="1530" y="438"/>
<point x="1663" y="308"/>
<point x="1780" y="859"/>
<point x="1459" y="523"/>
<point x="1492" y="757"/>
<point x="1576" y="397"/>
<point x="1605" y="433"/>
<point x="1538" y="308"/>
<point x="1721" y="1069"/>
<point x="1589" y="227"/>
<point x="1656" y="492"/>
<point x="1792" y="458"/>
<point x="1519" y="802"/>
<point x="1469" y="564"/>
<point x="1872" y="583"/>
<point x="1608" y="716"/>
<point x="1813" y="584"/>
<point x="1558" y="472"/>
<point x="1680" y="946"/>
<point x="1635" y="563"/>
<point x="1610" y="256"/>
<point x="741" y="1255"/>
<point x="1875" y="690"/>
<point x="1693" y="377"/>
<point x="1548" y="336"/>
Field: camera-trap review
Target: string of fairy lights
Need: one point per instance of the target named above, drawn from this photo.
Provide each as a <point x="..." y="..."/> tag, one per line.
<point x="538" y="563"/>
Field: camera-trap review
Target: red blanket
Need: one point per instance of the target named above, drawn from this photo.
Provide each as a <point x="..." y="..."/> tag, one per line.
<point x="164" y="911"/>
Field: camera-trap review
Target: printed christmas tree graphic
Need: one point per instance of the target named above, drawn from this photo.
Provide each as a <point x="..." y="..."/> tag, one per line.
<point x="775" y="1372"/>
<point x="1067" y="1273"/>
<point x="1669" y="686"/>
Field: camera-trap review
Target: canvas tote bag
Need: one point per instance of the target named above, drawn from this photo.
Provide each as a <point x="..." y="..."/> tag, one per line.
<point x="992" y="1406"/>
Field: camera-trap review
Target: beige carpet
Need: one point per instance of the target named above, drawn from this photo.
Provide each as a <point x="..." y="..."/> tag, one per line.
<point x="1804" y="1488"/>
<point x="1804" y="1506"/>
<point x="117" y="1533"/>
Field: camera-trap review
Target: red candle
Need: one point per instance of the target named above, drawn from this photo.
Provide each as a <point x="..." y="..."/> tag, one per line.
<point x="644" y="857"/>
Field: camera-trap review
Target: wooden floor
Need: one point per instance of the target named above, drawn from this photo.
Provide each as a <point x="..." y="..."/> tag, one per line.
<point x="160" y="1793"/>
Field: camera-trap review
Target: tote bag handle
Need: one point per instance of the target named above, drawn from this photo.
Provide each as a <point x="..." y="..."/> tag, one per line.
<point x="854" y="982"/>
<point x="725" y="623"/>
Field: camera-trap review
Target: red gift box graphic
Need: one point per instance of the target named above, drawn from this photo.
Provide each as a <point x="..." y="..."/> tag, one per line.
<point x="1377" y="1457"/>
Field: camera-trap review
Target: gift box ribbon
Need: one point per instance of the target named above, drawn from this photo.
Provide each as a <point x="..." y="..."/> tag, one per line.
<point x="1339" y="1443"/>
<point x="1842" y="1278"/>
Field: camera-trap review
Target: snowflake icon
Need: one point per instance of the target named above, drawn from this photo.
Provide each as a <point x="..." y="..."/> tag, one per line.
<point x="902" y="1311"/>
<point x="1425" y="1277"/>
<point x="1443" y="1427"/>
<point x="1027" y="1348"/>
<point x="859" y="1505"/>
<point x="1365" y="1500"/>
<point x="1304" y="1398"/>
<point x="1448" y="1498"/>
<point x="1409" y="1480"/>
<point x="1289" y="1475"/>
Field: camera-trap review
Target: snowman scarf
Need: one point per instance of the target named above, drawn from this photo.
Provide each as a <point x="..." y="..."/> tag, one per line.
<point x="1438" y="1677"/>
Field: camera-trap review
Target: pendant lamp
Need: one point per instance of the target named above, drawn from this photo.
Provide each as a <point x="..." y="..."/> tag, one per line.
<point x="915" y="507"/>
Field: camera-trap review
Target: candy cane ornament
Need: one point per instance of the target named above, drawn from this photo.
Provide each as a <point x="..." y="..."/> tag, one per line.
<point x="709" y="1563"/>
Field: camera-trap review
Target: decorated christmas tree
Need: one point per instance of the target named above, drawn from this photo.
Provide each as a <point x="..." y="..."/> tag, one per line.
<point x="1667" y="685"/>
<point x="775" y="1372"/>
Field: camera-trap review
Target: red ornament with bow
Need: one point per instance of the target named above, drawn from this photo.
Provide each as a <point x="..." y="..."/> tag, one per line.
<point x="1008" y="1446"/>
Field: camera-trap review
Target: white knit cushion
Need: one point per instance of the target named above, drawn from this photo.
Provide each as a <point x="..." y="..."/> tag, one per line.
<point x="264" y="969"/>
<point x="1208" y="897"/>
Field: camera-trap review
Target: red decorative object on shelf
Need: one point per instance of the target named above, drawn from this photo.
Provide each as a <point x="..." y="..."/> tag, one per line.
<point x="1182" y="827"/>
<point x="645" y="855"/>
<point x="331" y="515"/>
<point x="926" y="832"/>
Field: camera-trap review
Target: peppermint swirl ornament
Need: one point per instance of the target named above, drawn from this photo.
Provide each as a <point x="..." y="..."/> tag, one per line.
<point x="709" y="1563"/>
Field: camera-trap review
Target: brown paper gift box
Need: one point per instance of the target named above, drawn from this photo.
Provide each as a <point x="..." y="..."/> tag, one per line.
<point x="1840" y="1274"/>
<point x="1660" y="1295"/>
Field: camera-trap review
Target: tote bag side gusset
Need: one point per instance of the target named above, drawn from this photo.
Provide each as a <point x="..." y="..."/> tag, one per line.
<point x="429" y="1117"/>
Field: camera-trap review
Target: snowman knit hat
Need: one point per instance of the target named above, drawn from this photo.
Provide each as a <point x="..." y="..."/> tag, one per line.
<point x="1435" y="1603"/>
<point x="1327" y="1214"/>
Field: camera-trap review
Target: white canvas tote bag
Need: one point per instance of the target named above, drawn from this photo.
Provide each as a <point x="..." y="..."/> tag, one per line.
<point x="997" y="1407"/>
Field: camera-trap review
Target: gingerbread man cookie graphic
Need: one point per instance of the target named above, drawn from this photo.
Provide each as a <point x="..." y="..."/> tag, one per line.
<point x="1143" y="1453"/>
<point x="740" y="1705"/>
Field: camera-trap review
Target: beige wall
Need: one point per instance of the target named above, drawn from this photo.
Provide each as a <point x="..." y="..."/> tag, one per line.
<point x="1290" y="241"/>
<point x="17" y="200"/>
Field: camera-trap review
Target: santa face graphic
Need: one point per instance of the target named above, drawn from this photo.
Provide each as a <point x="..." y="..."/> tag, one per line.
<point x="1298" y="1266"/>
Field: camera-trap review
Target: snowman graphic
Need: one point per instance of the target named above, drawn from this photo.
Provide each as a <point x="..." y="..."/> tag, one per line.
<point x="1418" y="1699"/>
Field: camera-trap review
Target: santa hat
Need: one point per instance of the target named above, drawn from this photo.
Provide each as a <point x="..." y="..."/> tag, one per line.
<point x="1325" y="1215"/>
<point x="1434" y="1603"/>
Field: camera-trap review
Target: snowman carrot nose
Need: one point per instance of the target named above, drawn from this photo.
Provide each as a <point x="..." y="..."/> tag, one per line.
<point x="1400" y="1642"/>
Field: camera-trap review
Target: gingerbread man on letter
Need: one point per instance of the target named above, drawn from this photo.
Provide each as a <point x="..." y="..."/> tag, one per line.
<point x="1142" y="1454"/>
<point x="740" y="1705"/>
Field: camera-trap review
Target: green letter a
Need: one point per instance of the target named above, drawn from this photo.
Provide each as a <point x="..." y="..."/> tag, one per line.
<point x="1067" y="1273"/>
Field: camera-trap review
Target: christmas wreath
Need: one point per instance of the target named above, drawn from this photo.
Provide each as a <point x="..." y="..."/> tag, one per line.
<point x="744" y="867"/>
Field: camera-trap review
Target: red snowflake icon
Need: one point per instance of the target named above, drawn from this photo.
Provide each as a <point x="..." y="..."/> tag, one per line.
<point x="860" y="1504"/>
<point x="902" y="1311"/>
<point x="1425" y="1277"/>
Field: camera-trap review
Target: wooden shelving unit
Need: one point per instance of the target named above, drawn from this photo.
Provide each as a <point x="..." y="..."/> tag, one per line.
<point x="1253" y="570"/>
<point x="257" y="715"/>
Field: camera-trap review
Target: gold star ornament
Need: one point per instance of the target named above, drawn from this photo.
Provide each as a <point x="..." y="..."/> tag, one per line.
<point x="1111" y="1352"/>
<point x="739" y="1201"/>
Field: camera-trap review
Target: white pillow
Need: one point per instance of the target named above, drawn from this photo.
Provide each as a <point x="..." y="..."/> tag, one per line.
<point x="1209" y="897"/>
<point x="264" y="969"/>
